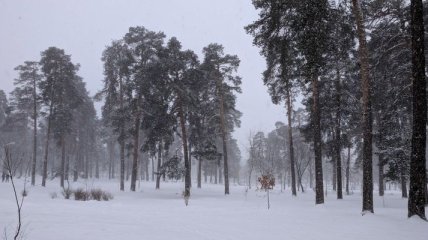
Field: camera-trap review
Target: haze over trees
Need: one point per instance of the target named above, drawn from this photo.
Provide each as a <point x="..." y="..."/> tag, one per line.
<point x="349" y="74"/>
<point x="353" y="63"/>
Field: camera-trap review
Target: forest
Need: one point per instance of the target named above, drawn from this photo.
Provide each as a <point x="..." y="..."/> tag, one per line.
<point x="349" y="74"/>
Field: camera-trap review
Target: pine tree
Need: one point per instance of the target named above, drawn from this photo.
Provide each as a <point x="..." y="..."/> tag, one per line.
<point x="117" y="60"/>
<point x="58" y="90"/>
<point x="27" y="98"/>
<point x="144" y="46"/>
<point x="220" y="69"/>
<point x="417" y="194"/>
<point x="280" y="51"/>
<point x="367" y="204"/>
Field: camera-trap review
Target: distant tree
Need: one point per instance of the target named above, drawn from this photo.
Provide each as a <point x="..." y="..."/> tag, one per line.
<point x="117" y="60"/>
<point x="144" y="47"/>
<point x="182" y="72"/>
<point x="27" y="98"/>
<point x="59" y="95"/>
<point x="220" y="69"/>
<point x="279" y="47"/>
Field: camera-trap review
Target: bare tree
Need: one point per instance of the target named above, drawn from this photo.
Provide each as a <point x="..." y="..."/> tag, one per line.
<point x="11" y="172"/>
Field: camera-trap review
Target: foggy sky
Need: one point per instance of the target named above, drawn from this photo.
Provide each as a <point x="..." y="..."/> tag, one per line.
<point x="83" y="28"/>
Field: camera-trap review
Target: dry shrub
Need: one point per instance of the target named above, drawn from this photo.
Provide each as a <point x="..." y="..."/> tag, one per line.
<point x="81" y="195"/>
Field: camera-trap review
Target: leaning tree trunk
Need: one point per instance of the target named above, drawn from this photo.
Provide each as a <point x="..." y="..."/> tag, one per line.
<point x="338" y="147"/>
<point x="136" y="149"/>
<point x="319" y="186"/>
<point x="416" y="204"/>
<point x="290" y="138"/>
<point x="187" y="166"/>
<point x="366" y="107"/>
<point x="45" y="160"/>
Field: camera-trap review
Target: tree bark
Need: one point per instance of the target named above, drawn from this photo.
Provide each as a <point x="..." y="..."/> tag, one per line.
<point x="187" y="166"/>
<point x="136" y="150"/>
<point x="290" y="139"/>
<point x="153" y="170"/>
<point x="146" y="167"/>
<point x="417" y="191"/>
<point x="223" y="136"/>
<point x="381" y="175"/>
<point x="67" y="166"/>
<point x="348" y="170"/>
<point x="338" y="145"/>
<point x="319" y="185"/>
<point x="34" y="160"/>
<point x="367" y="205"/>
<point x="403" y="183"/>
<point x="76" y="165"/>
<point x="158" y="175"/>
<point x="45" y="160"/>
<point x="190" y="160"/>
<point x="200" y="173"/>
<point x="62" y="166"/>
<point x="122" y="140"/>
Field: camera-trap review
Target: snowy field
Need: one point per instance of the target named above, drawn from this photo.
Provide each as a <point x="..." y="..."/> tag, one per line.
<point x="161" y="214"/>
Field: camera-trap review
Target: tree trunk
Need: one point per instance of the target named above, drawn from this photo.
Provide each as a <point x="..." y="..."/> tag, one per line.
<point x="135" y="154"/>
<point x="153" y="170"/>
<point x="45" y="160"/>
<point x="110" y="145"/>
<point x="366" y="107"/>
<point x="319" y="186"/>
<point x="122" y="141"/>
<point x="338" y="145"/>
<point x="403" y="183"/>
<point x="158" y="175"/>
<point x="76" y="165"/>
<point x="67" y="166"/>
<point x="381" y="175"/>
<point x="190" y="161"/>
<point x="62" y="166"/>
<point x="187" y="166"/>
<point x="97" y="167"/>
<point x="348" y="170"/>
<point x="33" y="166"/>
<point x="417" y="191"/>
<point x="223" y="136"/>
<point x="311" y="176"/>
<point x="146" y="168"/>
<point x="334" y="168"/>
<point x="200" y="173"/>
<point x="290" y="140"/>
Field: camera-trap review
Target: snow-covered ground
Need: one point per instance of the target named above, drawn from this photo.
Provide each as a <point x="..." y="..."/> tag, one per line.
<point x="161" y="214"/>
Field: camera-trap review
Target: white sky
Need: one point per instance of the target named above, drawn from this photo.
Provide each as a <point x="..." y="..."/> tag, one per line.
<point x="84" y="27"/>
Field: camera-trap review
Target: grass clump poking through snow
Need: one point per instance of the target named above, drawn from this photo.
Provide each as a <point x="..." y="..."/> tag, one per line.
<point x="81" y="194"/>
<point x="100" y="195"/>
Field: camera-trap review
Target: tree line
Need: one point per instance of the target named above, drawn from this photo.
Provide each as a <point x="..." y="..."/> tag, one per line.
<point x="160" y="103"/>
<point x="360" y="67"/>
